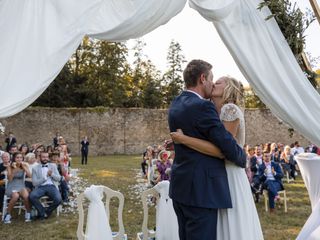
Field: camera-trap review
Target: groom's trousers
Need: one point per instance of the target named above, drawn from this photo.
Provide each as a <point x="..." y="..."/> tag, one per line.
<point x="196" y="223"/>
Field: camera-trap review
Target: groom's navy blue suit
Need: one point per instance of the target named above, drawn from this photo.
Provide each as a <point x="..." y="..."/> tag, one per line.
<point x="199" y="184"/>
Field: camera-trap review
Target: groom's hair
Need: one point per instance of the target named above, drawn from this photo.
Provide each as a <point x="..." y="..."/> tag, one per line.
<point x="193" y="71"/>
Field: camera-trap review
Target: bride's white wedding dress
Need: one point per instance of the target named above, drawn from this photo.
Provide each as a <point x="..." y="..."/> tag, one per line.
<point x="241" y="222"/>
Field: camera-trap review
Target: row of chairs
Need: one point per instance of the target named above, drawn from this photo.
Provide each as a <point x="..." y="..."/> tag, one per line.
<point x="146" y="233"/>
<point x="45" y="201"/>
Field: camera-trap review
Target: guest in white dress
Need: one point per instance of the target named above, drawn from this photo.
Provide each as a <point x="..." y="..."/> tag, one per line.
<point x="240" y="222"/>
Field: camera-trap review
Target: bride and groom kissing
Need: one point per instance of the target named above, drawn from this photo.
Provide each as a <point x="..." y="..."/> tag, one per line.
<point x="209" y="187"/>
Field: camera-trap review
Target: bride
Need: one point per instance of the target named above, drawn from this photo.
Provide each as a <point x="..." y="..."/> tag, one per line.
<point x="240" y="222"/>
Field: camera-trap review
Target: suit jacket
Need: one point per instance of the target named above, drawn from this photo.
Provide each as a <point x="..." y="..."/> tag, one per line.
<point x="84" y="146"/>
<point x="10" y="143"/>
<point x="197" y="179"/>
<point x="279" y="174"/>
<point x="38" y="179"/>
<point x="253" y="164"/>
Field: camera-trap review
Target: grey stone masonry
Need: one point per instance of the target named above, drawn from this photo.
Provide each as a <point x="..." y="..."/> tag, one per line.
<point x="125" y="131"/>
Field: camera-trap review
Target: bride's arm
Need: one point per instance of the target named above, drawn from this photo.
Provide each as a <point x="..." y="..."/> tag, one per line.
<point x="199" y="145"/>
<point x="232" y="126"/>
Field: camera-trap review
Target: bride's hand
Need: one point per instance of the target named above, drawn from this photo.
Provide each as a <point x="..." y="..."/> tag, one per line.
<point x="177" y="136"/>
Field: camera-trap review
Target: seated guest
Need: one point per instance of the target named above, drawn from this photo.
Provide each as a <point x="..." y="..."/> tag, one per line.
<point x="64" y="154"/>
<point x="44" y="177"/>
<point x="146" y="160"/>
<point x="24" y="149"/>
<point x="30" y="158"/>
<point x="38" y="150"/>
<point x="63" y="184"/>
<point x="254" y="167"/>
<point x="288" y="163"/>
<point x="13" y="150"/>
<point x="3" y="171"/>
<point x="49" y="149"/>
<point x="163" y="166"/>
<point x="271" y="175"/>
<point x="251" y="161"/>
<point x="297" y="149"/>
<point x="17" y="171"/>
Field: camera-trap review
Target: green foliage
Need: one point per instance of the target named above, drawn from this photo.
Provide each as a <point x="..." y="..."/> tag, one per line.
<point x="145" y="84"/>
<point x="58" y="93"/>
<point x="172" y="79"/>
<point x="98" y="74"/>
<point x="252" y="100"/>
<point x="293" y="24"/>
<point x="291" y="20"/>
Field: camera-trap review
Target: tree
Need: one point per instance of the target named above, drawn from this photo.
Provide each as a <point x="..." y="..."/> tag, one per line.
<point x="293" y="24"/>
<point x="172" y="79"/>
<point x="58" y="92"/>
<point x="252" y="100"/>
<point x="145" y="81"/>
<point x="94" y="76"/>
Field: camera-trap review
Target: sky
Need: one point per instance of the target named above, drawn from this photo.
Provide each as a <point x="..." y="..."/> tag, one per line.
<point x="199" y="40"/>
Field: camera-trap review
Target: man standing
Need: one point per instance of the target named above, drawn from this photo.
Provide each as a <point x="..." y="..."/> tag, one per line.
<point x="55" y="140"/>
<point x="84" y="150"/>
<point x="10" y="141"/>
<point x="199" y="184"/>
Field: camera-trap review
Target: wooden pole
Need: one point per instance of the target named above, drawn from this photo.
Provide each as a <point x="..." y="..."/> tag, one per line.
<point x="315" y="8"/>
<point x="306" y="62"/>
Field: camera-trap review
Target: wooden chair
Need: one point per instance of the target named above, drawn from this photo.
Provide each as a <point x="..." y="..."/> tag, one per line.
<point x="120" y="235"/>
<point x="146" y="233"/>
<point x="283" y="198"/>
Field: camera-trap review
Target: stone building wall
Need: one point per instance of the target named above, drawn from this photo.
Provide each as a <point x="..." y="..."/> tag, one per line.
<point x="123" y="131"/>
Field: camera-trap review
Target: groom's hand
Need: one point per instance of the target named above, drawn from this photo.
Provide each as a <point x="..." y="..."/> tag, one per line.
<point x="177" y="136"/>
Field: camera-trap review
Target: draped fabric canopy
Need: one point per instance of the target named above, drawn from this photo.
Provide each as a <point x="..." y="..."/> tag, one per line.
<point x="40" y="36"/>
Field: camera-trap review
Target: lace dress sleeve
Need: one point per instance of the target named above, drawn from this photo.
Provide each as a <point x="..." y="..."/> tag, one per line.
<point x="230" y="112"/>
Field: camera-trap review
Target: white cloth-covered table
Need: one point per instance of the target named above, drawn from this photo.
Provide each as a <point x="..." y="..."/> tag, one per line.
<point x="309" y="164"/>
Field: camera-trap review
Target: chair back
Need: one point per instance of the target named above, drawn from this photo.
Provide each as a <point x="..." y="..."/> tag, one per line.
<point x="109" y="193"/>
<point x="146" y="233"/>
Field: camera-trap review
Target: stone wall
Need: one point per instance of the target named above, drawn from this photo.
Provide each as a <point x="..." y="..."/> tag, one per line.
<point x="123" y="131"/>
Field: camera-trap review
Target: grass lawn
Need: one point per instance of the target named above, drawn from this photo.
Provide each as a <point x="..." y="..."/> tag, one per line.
<point x="119" y="173"/>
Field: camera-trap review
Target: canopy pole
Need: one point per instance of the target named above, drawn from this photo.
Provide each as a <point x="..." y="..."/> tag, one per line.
<point x="315" y="8"/>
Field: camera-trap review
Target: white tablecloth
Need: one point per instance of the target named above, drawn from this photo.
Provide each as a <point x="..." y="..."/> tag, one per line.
<point x="309" y="164"/>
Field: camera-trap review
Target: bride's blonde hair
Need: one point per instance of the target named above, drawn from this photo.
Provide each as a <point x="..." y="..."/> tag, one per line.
<point x="233" y="92"/>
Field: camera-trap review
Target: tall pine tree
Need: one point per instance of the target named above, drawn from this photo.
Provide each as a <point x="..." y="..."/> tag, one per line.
<point x="173" y="77"/>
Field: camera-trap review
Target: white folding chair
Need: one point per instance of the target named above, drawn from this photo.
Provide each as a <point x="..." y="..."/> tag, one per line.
<point x="146" y="233"/>
<point x="288" y="177"/>
<point x="45" y="201"/>
<point x="18" y="205"/>
<point x="120" y="235"/>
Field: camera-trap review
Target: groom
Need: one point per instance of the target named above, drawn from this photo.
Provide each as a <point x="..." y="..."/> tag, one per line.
<point x="199" y="184"/>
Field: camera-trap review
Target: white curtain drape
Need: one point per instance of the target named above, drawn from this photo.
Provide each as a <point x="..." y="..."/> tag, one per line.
<point x="309" y="165"/>
<point x="265" y="59"/>
<point x="40" y="36"/>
